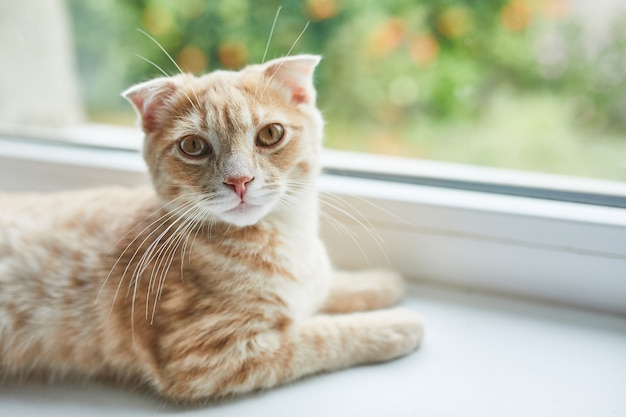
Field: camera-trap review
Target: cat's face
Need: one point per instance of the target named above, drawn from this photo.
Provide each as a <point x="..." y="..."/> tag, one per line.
<point x="232" y="146"/>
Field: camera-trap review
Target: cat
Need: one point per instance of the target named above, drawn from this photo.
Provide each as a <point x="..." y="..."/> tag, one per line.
<point x="211" y="282"/>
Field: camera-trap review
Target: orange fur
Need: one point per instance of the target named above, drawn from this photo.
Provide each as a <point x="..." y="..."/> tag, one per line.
<point x="194" y="289"/>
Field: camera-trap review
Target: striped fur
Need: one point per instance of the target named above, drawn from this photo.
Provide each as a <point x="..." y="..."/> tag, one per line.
<point x="182" y="285"/>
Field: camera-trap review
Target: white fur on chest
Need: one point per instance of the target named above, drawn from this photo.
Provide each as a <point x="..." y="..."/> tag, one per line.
<point x="305" y="257"/>
<point x="312" y="272"/>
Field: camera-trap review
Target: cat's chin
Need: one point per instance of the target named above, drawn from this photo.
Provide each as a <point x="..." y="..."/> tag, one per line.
<point x="244" y="214"/>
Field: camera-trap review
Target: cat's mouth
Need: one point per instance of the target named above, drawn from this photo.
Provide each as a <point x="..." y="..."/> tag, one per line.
<point x="243" y="207"/>
<point x="244" y="214"/>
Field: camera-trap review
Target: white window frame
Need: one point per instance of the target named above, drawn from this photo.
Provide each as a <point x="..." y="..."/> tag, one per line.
<point x="554" y="251"/>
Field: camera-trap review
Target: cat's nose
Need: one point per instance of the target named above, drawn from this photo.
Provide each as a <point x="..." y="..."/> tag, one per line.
<point x="238" y="184"/>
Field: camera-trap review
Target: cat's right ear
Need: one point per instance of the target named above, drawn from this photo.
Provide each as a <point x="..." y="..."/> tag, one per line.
<point x="150" y="100"/>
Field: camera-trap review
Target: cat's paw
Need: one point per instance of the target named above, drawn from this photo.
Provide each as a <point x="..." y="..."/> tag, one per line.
<point x="364" y="290"/>
<point x="387" y="283"/>
<point x="401" y="332"/>
<point x="384" y="335"/>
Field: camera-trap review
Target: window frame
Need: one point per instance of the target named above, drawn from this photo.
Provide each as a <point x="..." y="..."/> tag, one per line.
<point x="556" y="251"/>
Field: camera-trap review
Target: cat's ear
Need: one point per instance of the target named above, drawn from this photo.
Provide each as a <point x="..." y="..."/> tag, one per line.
<point x="294" y="77"/>
<point x="150" y="100"/>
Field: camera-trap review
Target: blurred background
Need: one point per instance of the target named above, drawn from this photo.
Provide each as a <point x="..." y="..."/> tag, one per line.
<point x="523" y="84"/>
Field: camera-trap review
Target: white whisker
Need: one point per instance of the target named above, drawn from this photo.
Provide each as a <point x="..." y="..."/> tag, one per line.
<point x="194" y="238"/>
<point x="197" y="221"/>
<point x="367" y="226"/>
<point x="166" y="260"/>
<point x="269" y="40"/>
<point x="288" y="53"/>
<point x="298" y="38"/>
<point x="167" y="214"/>
<point x="267" y="47"/>
<point x="152" y="251"/>
<point x="154" y="64"/>
<point x="144" y="263"/>
<point x="157" y="43"/>
<point x="157" y="261"/>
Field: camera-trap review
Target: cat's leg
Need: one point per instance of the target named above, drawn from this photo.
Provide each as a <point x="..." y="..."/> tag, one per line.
<point x="319" y="344"/>
<point x="363" y="290"/>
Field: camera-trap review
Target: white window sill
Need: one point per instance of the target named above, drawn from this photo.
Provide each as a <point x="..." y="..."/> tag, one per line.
<point x="482" y="356"/>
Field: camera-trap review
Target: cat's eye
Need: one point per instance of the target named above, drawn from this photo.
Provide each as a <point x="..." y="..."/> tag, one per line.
<point x="270" y="135"/>
<point x="194" y="146"/>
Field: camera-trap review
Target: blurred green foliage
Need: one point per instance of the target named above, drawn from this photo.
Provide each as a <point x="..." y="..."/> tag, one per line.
<point x="399" y="76"/>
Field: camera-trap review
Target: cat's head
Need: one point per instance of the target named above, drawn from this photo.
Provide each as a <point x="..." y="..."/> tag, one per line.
<point x="232" y="146"/>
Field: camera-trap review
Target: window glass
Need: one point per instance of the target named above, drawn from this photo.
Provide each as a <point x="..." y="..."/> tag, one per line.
<point x="523" y="84"/>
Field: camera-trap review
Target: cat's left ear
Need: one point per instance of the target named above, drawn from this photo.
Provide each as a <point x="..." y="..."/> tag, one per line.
<point x="294" y="77"/>
<point x="150" y="100"/>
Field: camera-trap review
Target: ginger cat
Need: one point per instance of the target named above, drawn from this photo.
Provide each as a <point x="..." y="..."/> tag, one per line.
<point x="212" y="282"/>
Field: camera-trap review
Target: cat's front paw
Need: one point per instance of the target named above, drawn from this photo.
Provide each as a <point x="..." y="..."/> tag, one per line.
<point x="389" y="334"/>
<point x="401" y="332"/>
<point x="364" y="290"/>
<point x="388" y="283"/>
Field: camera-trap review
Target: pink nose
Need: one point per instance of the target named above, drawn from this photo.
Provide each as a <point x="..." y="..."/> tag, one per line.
<point x="238" y="184"/>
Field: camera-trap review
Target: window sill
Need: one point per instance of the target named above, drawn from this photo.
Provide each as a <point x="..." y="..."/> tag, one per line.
<point x="494" y="354"/>
<point x="482" y="356"/>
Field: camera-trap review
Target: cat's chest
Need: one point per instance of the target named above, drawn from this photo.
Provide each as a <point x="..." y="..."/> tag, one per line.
<point x="309" y="282"/>
<point x="292" y="266"/>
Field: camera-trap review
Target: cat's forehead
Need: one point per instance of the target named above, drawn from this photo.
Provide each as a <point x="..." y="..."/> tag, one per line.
<point x="231" y="101"/>
<point x="220" y="82"/>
